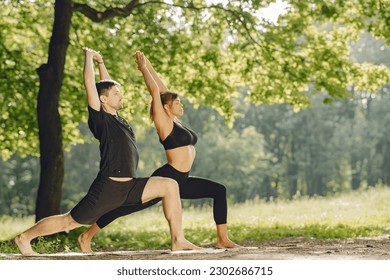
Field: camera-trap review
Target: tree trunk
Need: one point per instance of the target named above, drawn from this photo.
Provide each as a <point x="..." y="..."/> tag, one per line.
<point x="385" y="163"/>
<point x="356" y="174"/>
<point x="49" y="123"/>
<point x="292" y="172"/>
<point x="267" y="188"/>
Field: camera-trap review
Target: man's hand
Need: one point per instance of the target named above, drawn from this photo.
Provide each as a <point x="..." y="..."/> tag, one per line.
<point x="95" y="54"/>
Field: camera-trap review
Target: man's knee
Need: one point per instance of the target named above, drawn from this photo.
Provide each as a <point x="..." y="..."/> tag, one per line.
<point x="170" y="186"/>
<point x="160" y="187"/>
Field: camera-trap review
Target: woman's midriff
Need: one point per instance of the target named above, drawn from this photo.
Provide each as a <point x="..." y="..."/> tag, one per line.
<point x="121" y="179"/>
<point x="181" y="158"/>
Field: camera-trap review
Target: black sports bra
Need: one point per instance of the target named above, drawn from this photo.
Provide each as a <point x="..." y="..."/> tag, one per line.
<point x="180" y="136"/>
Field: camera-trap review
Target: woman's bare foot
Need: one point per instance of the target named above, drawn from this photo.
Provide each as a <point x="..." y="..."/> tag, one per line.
<point x="227" y="244"/>
<point x="85" y="244"/>
<point x="184" y="244"/>
<point x="24" y="246"/>
<point x="223" y="241"/>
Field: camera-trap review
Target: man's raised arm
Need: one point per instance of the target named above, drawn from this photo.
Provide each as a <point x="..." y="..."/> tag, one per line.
<point x="103" y="73"/>
<point x="89" y="79"/>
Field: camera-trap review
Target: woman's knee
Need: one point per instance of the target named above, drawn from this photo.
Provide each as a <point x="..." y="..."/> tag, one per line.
<point x="220" y="191"/>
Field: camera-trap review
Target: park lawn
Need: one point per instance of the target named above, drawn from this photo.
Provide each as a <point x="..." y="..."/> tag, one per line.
<point x="356" y="214"/>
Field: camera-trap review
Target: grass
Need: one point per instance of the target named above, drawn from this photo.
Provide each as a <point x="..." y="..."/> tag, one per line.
<point x="357" y="214"/>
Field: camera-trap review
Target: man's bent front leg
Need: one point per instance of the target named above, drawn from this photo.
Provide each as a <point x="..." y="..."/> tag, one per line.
<point x="168" y="190"/>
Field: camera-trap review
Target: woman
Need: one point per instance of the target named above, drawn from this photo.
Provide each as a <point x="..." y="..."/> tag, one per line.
<point x="179" y="144"/>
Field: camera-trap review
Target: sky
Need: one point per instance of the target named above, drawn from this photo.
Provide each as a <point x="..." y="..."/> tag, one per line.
<point x="271" y="13"/>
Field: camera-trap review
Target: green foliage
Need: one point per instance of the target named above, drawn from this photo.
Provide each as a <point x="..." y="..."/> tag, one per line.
<point x="272" y="153"/>
<point x="18" y="184"/>
<point x="205" y="53"/>
<point x="234" y="158"/>
<point x="22" y="49"/>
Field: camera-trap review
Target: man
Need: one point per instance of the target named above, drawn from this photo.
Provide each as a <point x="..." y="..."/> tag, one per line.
<point x="116" y="183"/>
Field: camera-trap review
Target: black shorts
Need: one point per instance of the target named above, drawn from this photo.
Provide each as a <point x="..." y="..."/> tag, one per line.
<point x="105" y="195"/>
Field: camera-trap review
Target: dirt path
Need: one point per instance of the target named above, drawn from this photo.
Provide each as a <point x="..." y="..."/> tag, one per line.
<point x="377" y="248"/>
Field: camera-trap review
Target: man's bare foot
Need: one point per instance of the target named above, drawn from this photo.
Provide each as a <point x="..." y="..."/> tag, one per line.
<point x="227" y="244"/>
<point x="24" y="246"/>
<point x="184" y="245"/>
<point x="85" y="244"/>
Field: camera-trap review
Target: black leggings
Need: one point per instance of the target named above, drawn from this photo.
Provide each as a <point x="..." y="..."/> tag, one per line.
<point x="190" y="188"/>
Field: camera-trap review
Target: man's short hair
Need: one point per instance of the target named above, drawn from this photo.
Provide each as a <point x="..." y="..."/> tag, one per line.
<point x="103" y="86"/>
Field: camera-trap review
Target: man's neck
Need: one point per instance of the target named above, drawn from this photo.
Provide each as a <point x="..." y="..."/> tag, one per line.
<point x="110" y="110"/>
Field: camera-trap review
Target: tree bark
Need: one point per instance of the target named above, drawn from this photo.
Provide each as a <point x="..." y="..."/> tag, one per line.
<point x="292" y="171"/>
<point x="49" y="123"/>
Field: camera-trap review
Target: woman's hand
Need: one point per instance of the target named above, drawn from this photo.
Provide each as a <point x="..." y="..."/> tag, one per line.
<point x="140" y="60"/>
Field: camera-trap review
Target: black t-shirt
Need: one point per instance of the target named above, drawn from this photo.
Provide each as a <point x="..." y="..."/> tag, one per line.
<point x="118" y="149"/>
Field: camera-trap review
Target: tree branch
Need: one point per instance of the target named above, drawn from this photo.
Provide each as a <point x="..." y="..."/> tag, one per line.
<point x="235" y="14"/>
<point x="98" y="16"/>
